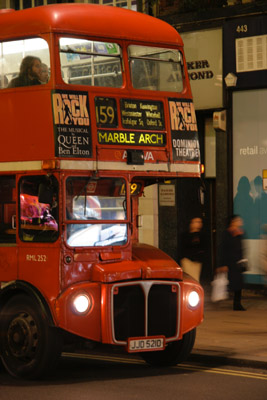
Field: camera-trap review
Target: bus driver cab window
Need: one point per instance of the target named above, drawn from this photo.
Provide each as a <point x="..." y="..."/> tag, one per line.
<point x="38" y="209"/>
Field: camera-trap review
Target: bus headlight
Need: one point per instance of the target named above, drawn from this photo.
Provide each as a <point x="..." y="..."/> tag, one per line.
<point x="193" y="299"/>
<point x="81" y="303"/>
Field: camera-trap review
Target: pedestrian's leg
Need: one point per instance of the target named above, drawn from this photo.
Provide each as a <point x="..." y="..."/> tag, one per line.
<point x="237" y="306"/>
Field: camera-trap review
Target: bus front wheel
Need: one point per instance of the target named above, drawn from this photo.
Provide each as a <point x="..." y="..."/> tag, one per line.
<point x="29" y="347"/>
<point x="174" y="353"/>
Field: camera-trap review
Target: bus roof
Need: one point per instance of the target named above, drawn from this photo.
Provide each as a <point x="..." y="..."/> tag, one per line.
<point x="87" y="19"/>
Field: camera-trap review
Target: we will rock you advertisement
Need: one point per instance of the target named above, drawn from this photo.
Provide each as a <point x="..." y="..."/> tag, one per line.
<point x="184" y="133"/>
<point x="72" y="126"/>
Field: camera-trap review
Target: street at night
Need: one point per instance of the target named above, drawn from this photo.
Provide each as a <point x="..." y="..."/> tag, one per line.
<point x="228" y="360"/>
<point x="109" y="377"/>
<point x="133" y="200"/>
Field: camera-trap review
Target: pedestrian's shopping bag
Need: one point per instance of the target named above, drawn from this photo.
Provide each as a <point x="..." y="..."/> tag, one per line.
<point x="219" y="289"/>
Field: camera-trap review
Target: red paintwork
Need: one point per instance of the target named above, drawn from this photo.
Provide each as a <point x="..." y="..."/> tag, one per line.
<point x="100" y="21"/>
<point x="190" y="317"/>
<point x="54" y="269"/>
<point x="36" y="117"/>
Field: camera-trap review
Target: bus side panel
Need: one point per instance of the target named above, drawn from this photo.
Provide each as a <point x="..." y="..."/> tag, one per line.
<point x="26" y="124"/>
<point x="8" y="263"/>
<point x="39" y="266"/>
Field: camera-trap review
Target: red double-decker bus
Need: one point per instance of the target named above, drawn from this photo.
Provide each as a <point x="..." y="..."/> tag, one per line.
<point x="95" y="105"/>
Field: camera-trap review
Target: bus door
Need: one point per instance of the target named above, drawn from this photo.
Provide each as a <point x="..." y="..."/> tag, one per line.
<point x="38" y="231"/>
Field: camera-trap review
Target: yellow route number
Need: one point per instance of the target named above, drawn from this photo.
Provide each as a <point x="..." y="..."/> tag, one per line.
<point x="135" y="189"/>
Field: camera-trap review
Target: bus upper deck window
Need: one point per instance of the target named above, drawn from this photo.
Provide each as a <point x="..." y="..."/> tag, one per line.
<point x="154" y="68"/>
<point x="87" y="62"/>
<point x="23" y="61"/>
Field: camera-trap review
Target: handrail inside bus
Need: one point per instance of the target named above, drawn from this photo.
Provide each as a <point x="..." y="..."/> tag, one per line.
<point x="152" y="59"/>
<point x="88" y="53"/>
<point x="81" y="78"/>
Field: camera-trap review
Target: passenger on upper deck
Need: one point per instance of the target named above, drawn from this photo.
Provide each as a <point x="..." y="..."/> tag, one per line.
<point x="30" y="73"/>
<point x="44" y="75"/>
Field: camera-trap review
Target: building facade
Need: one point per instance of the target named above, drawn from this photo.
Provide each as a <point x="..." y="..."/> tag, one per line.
<point x="232" y="120"/>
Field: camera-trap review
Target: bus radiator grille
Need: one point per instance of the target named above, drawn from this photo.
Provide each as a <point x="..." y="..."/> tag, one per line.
<point x="141" y="310"/>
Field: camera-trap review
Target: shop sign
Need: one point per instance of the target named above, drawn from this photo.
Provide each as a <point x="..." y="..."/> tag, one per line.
<point x="203" y="52"/>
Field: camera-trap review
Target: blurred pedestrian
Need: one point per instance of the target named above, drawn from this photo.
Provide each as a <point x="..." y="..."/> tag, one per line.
<point x="231" y="258"/>
<point x="192" y="248"/>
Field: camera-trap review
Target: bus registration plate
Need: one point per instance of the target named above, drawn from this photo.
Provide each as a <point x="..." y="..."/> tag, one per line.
<point x="146" y="344"/>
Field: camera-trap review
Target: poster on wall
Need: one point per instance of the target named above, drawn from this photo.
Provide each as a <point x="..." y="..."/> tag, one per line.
<point x="184" y="132"/>
<point x="245" y="50"/>
<point x="249" y="164"/>
<point x="72" y="128"/>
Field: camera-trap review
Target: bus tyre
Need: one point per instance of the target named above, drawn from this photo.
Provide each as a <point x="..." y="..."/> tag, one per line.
<point x="174" y="353"/>
<point x="29" y="347"/>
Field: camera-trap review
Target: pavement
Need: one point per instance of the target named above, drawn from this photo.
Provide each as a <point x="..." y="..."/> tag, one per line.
<point x="234" y="337"/>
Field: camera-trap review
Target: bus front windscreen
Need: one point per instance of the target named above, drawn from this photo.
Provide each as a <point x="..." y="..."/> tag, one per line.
<point x="95" y="212"/>
<point x="155" y="68"/>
